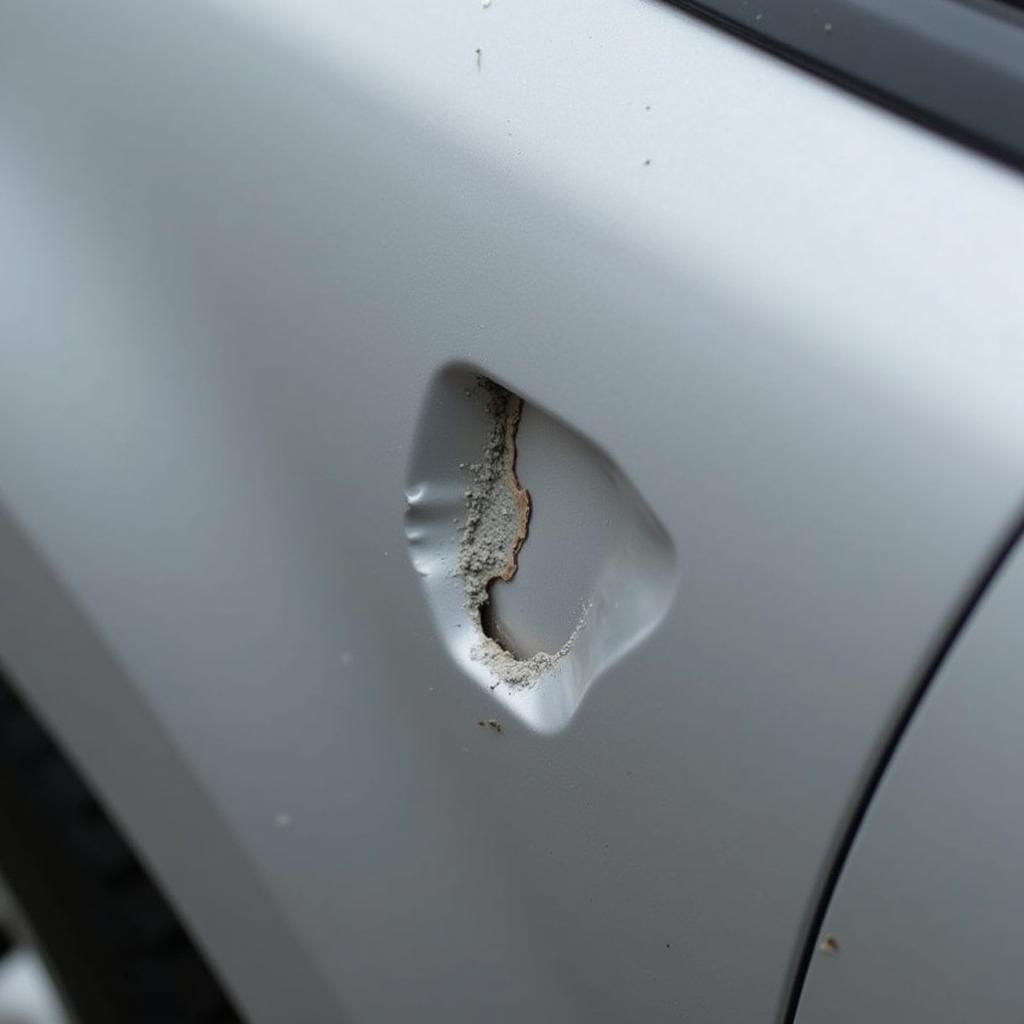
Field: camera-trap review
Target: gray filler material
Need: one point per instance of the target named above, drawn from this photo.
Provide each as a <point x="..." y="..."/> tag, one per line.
<point x="497" y="507"/>
<point x="927" y="920"/>
<point x="497" y="523"/>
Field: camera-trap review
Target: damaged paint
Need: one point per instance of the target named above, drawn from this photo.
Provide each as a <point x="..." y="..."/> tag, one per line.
<point x="605" y="569"/>
<point x="497" y="505"/>
<point x="497" y="524"/>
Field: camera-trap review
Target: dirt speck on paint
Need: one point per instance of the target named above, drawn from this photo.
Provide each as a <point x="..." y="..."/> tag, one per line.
<point x="497" y="524"/>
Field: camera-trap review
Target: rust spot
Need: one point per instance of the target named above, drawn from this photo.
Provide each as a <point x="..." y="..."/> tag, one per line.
<point x="520" y="496"/>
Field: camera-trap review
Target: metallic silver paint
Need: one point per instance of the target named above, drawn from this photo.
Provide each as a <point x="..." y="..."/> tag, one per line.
<point x="239" y="239"/>
<point x="928" y="909"/>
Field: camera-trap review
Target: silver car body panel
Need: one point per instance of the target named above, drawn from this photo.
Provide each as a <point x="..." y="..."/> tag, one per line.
<point x="241" y="241"/>
<point x="926" y="916"/>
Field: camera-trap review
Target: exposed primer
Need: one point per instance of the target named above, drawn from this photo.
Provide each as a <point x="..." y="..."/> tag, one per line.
<point x="497" y="523"/>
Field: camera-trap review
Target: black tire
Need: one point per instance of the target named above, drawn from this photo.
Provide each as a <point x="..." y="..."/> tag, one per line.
<point x="115" y="946"/>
